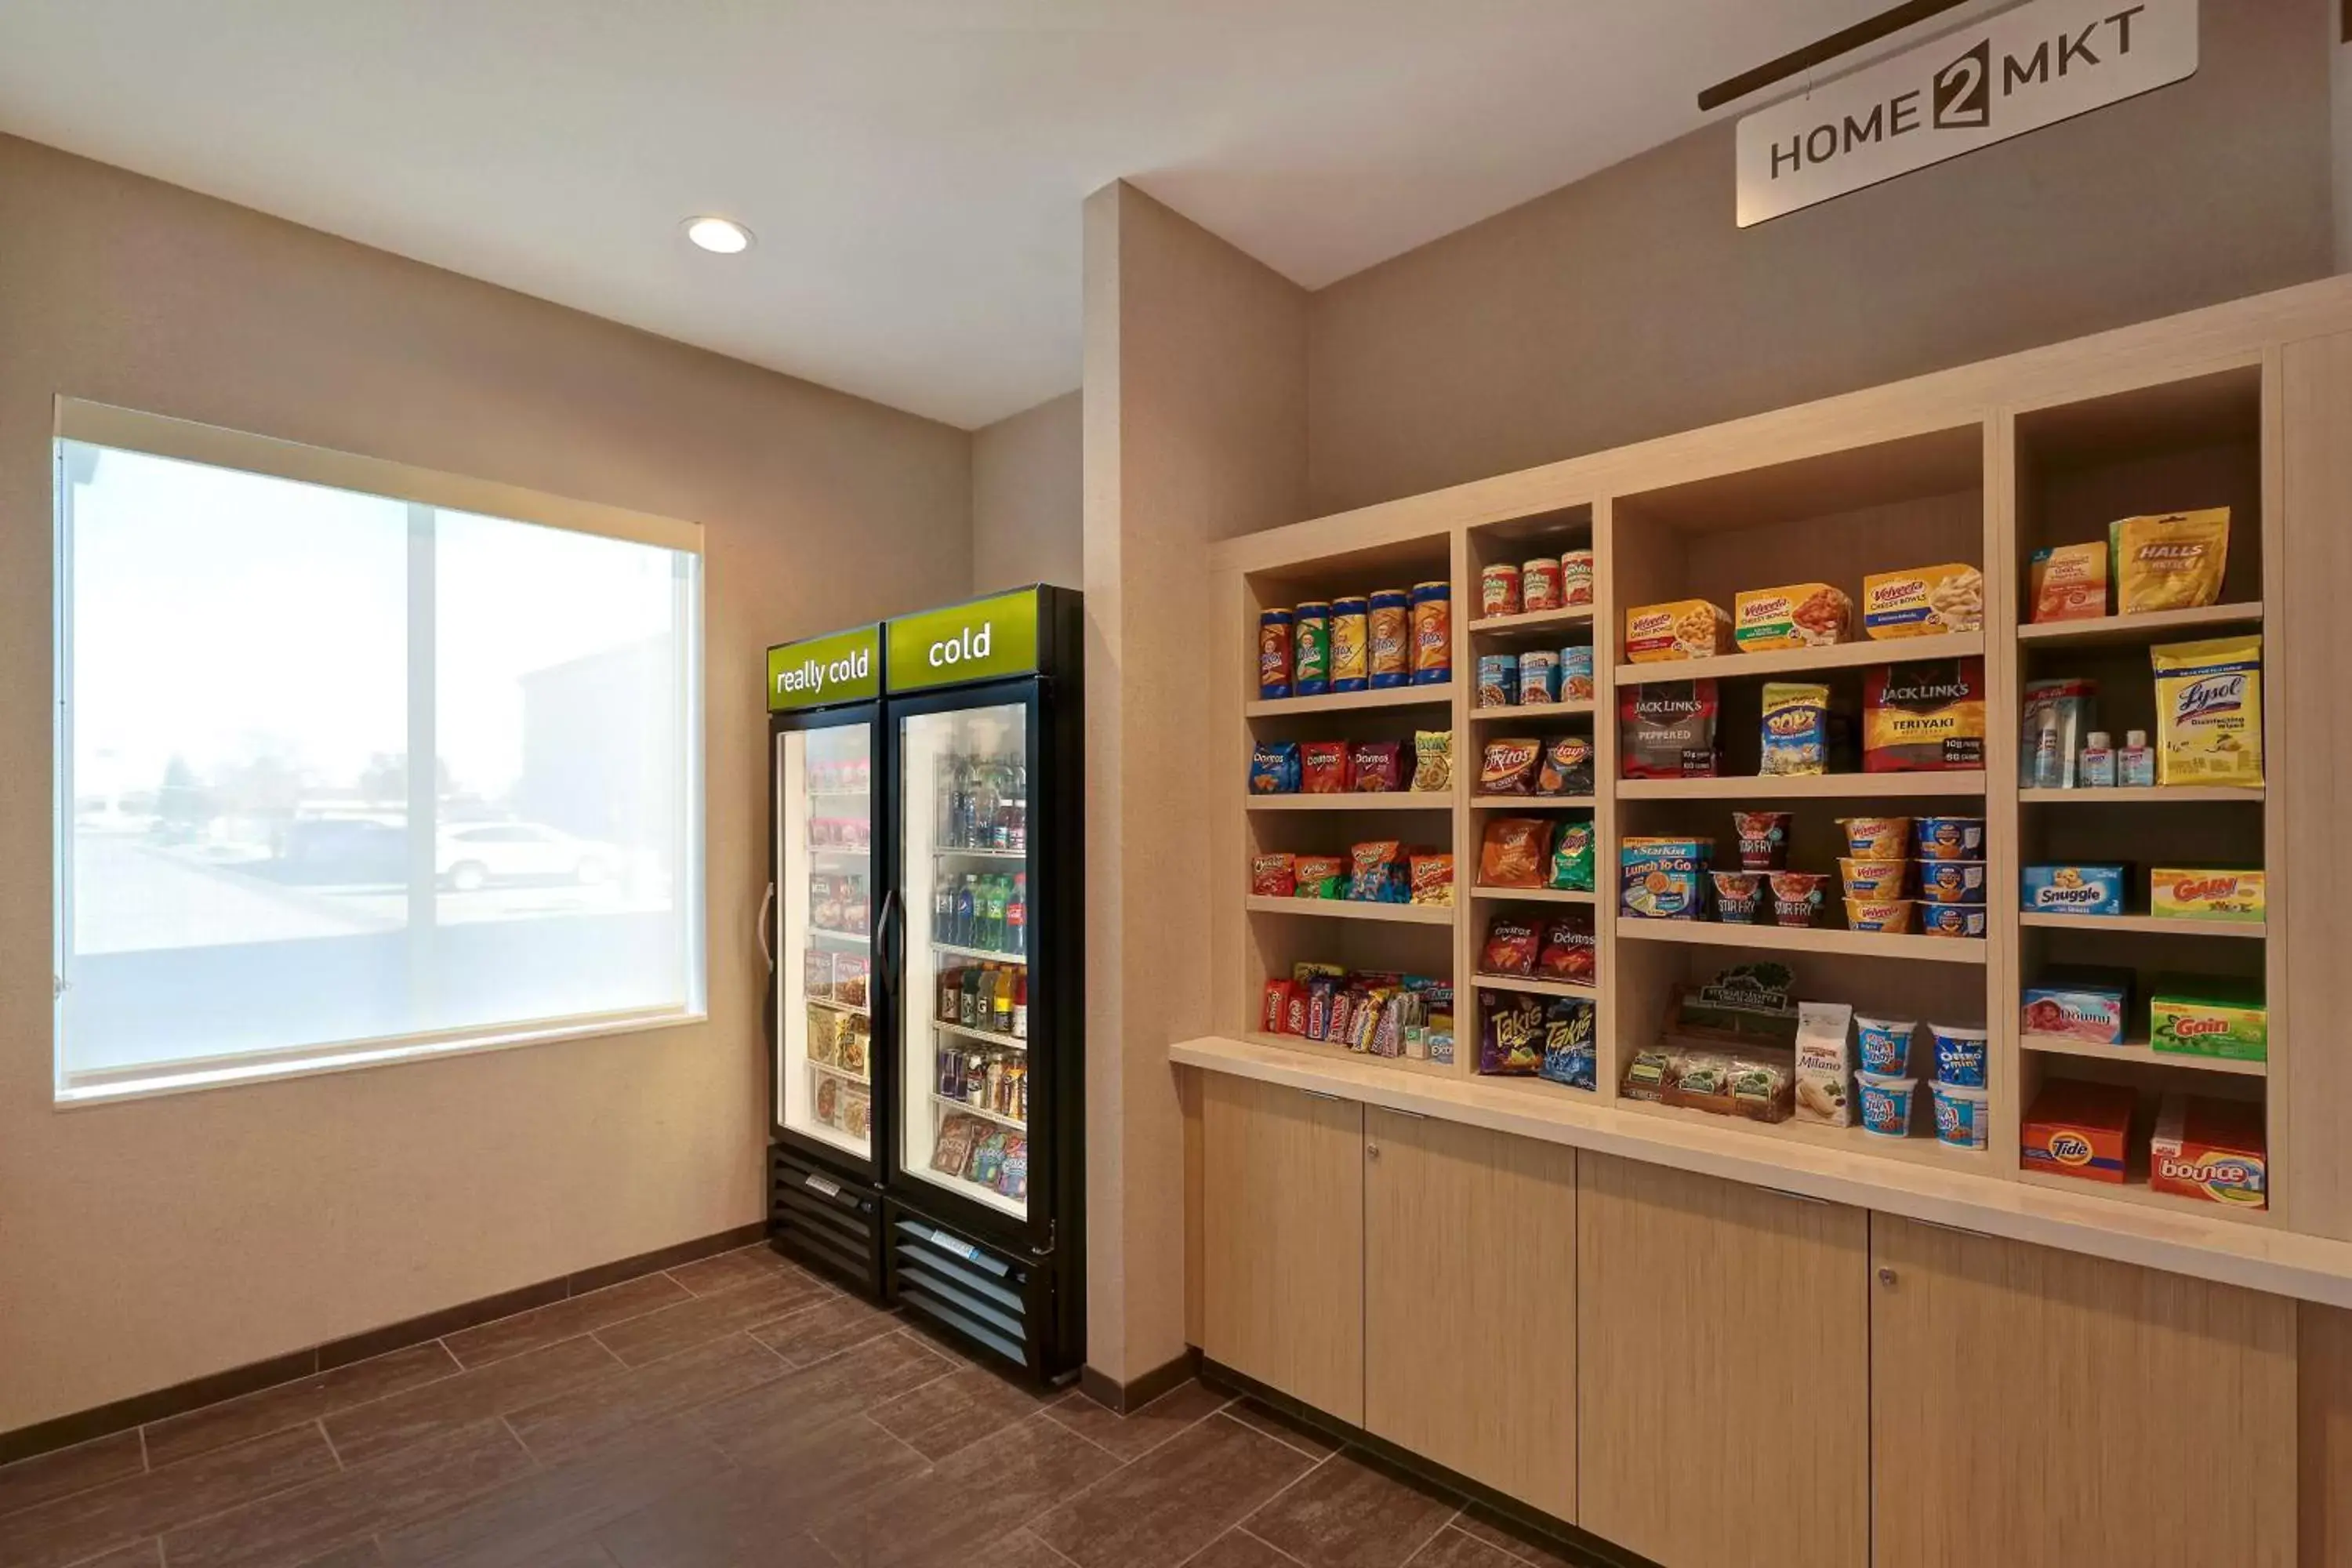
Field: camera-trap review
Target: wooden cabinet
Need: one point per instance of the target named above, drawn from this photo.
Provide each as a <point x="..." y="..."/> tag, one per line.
<point x="1470" y="1302"/>
<point x="1282" y="1240"/>
<point x="1724" y="1393"/>
<point x="2048" y="1410"/>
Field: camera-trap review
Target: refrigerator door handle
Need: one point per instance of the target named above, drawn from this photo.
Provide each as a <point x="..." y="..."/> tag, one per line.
<point x="885" y="924"/>
<point x="766" y="905"/>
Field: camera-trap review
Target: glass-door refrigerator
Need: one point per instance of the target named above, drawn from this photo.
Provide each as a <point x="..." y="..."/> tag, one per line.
<point x="982" y="951"/>
<point x="828" y="1102"/>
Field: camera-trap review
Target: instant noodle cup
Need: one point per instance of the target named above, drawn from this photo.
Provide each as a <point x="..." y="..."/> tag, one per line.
<point x="1886" y="1103"/>
<point x="1962" y="1118"/>
<point x="1797" y="897"/>
<point x="1884" y="1044"/>
<point x="1872" y="879"/>
<point x="1952" y="920"/>
<point x="1876" y="837"/>
<point x="1739" y="895"/>
<point x="1960" y="1055"/>
<point x="1878" y="914"/>
<point x="1950" y="837"/>
<point x="1763" y="839"/>
<point x="1952" y="881"/>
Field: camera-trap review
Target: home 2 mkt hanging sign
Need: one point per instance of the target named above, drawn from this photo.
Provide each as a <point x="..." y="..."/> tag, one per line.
<point x="2010" y="74"/>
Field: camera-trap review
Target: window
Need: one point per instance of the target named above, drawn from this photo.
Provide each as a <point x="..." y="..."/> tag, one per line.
<point x="357" y="762"/>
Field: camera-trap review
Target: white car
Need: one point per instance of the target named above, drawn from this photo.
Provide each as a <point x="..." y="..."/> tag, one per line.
<point x="469" y="859"/>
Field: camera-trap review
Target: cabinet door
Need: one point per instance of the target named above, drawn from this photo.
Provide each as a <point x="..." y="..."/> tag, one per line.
<point x="2047" y="1410"/>
<point x="1470" y="1302"/>
<point x="1725" y="1400"/>
<point x="1282" y="1244"/>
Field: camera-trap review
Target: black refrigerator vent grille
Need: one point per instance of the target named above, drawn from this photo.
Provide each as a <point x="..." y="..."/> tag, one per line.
<point x="970" y="1289"/>
<point x="825" y="1221"/>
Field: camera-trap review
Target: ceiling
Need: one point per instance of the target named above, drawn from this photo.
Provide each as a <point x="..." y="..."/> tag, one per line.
<point x="913" y="169"/>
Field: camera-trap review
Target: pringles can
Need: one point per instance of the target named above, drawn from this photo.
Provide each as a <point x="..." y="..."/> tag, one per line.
<point x="1274" y="653"/>
<point x="1498" y="590"/>
<point x="1390" y="643"/>
<point x="1433" y="633"/>
<point x="1311" y="644"/>
<point x="1351" y="637"/>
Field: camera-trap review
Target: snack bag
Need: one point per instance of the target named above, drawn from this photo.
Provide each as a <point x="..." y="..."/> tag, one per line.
<point x="1667" y="730"/>
<point x="1320" y="876"/>
<point x="1511" y="1040"/>
<point x="1509" y="767"/>
<point x="2170" y="562"/>
<point x="1510" y="947"/>
<point x="1378" y="766"/>
<point x="1928" y="716"/>
<point x="1568" y="1043"/>
<point x="1663" y="877"/>
<point x="1272" y="876"/>
<point x="1511" y="854"/>
<point x="1566" y="767"/>
<point x="1795" y="729"/>
<point x="1432" y="763"/>
<point x="1824" y="1062"/>
<point x="1274" y="1013"/>
<point x="2069" y="583"/>
<point x="1572" y="858"/>
<point x="1432" y="876"/>
<point x="2208" y="711"/>
<point x="1378" y="875"/>
<point x="1274" y="768"/>
<point x="1569" y="951"/>
<point x="1324" y="767"/>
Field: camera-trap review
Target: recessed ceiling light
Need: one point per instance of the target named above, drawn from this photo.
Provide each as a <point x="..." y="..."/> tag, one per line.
<point x="717" y="234"/>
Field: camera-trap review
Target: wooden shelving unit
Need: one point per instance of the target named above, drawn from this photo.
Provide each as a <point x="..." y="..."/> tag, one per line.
<point x="2147" y="794"/>
<point x="2146" y="925"/>
<point x="1383" y="800"/>
<point x="1806" y="660"/>
<point x="1574" y="615"/>
<point x="2140" y="1052"/>
<point x="1534" y="986"/>
<point x="1533" y="895"/>
<point x="1807" y="786"/>
<point x="1350" y="701"/>
<point x="2153" y="626"/>
<point x="1355" y="909"/>
<point x="1530" y="713"/>
<point x="1534" y="802"/>
<point x="1809" y="938"/>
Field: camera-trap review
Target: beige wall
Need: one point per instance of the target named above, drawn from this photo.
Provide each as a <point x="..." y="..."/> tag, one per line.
<point x="1628" y="306"/>
<point x="155" y="1241"/>
<point x="1195" y="415"/>
<point x="1027" y="505"/>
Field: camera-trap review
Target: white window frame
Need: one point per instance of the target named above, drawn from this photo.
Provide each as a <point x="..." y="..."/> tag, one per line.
<point x="425" y="490"/>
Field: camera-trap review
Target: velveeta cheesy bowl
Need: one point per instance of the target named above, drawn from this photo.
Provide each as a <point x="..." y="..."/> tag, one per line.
<point x="1872" y="879"/>
<point x="1876" y="837"/>
<point x="1878" y="914"/>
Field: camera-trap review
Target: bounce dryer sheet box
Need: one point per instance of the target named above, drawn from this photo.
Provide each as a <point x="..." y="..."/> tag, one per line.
<point x="2210" y="1148"/>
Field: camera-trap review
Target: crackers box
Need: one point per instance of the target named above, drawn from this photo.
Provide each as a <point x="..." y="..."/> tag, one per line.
<point x="1803" y="614"/>
<point x="2188" y="894"/>
<point x="2207" y="1016"/>
<point x="2078" y="1129"/>
<point x="1924" y="602"/>
<point x="2210" y="1148"/>
<point x="1685" y="628"/>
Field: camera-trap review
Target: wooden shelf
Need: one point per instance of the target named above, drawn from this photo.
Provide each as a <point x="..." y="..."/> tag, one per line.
<point x="2107" y="630"/>
<point x="1534" y="802"/>
<point x="1538" y="895"/>
<point x="1350" y="701"/>
<point x="1531" y="712"/>
<point x="1923" y="1148"/>
<point x="1355" y="909"/>
<point x="1794" y="660"/>
<point x="1300" y="1043"/>
<point x="2136" y="1191"/>
<point x="1534" y="986"/>
<point x="1804" y="938"/>
<point x="1535" y="620"/>
<point x="2138" y="1051"/>
<point x="2140" y="794"/>
<point x="1376" y="800"/>
<point x="1804" y="786"/>
<point x="2257" y="930"/>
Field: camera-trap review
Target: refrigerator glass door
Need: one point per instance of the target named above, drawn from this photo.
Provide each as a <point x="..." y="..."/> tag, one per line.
<point x="824" y="948"/>
<point x="963" y="1012"/>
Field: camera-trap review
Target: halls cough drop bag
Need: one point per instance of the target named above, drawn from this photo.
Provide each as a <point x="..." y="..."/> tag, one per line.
<point x="2208" y="711"/>
<point x="2169" y="562"/>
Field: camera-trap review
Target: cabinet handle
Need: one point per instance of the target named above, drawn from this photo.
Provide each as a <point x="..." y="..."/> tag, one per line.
<point x="1395" y="1111"/>
<point x="1371" y="1151"/>
<point x="1887" y="1277"/>
<point x="1319" y="1094"/>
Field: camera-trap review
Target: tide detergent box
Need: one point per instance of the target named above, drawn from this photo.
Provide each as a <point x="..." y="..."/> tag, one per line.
<point x="2078" y="1129"/>
<point x="2210" y="1148"/>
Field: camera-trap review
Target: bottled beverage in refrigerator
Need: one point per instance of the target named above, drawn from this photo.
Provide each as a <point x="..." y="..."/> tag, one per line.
<point x="1001" y="1003"/>
<point x="1000" y="892"/>
<point x="1020" y="1007"/>
<point x="1016" y="915"/>
<point x="966" y="896"/>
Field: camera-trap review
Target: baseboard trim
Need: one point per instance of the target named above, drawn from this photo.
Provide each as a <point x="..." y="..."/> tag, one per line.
<point x="1135" y="1394"/>
<point x="1581" y="1547"/>
<point x="122" y="1415"/>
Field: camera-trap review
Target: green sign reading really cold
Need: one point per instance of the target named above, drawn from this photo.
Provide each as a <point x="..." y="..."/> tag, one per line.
<point x="979" y="641"/>
<point x="842" y="668"/>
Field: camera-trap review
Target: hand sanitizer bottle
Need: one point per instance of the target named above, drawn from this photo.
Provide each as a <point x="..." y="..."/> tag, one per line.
<point x="2098" y="762"/>
<point x="2135" y="763"/>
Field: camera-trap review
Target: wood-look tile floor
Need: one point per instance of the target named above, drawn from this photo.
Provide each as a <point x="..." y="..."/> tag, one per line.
<point x="735" y="1411"/>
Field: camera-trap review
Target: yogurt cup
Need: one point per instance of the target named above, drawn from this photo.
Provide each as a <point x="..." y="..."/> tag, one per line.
<point x="1952" y="882"/>
<point x="1952" y="920"/>
<point x="1878" y="914"/>
<point x="1884" y="1103"/>
<point x="1763" y="838"/>
<point x="1876" y="837"/>
<point x="1738" y="895"/>
<point x="1950" y="837"/>
<point x="1962" y="1117"/>
<point x="1884" y="1045"/>
<point x="1797" y="897"/>
<point x="1872" y="879"/>
<point x="1960" y="1055"/>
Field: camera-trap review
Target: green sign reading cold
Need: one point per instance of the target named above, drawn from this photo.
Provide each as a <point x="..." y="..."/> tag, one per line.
<point x="843" y="667"/>
<point x="979" y="641"/>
